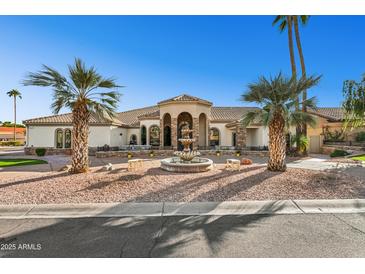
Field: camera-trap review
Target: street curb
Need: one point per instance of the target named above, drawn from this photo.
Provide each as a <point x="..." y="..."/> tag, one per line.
<point x="160" y="209"/>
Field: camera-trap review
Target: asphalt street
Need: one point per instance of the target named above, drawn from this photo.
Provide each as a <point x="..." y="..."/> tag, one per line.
<point x="292" y="235"/>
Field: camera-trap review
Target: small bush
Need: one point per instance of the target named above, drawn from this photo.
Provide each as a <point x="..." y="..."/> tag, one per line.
<point x="360" y="137"/>
<point x="11" y="143"/>
<point x="339" y="153"/>
<point x="40" y="151"/>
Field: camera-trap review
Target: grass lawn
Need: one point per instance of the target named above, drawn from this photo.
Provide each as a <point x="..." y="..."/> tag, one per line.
<point x="20" y="162"/>
<point x="360" y="157"/>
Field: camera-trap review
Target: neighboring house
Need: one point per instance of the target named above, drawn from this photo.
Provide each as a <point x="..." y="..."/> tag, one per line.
<point x="7" y="134"/>
<point x="157" y="125"/>
<point x="330" y="123"/>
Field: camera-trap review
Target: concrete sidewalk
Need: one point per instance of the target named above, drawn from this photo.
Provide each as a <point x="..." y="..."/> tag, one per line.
<point x="29" y="211"/>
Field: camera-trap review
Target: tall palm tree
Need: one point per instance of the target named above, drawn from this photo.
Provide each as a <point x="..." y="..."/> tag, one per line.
<point x="81" y="94"/>
<point x="14" y="93"/>
<point x="303" y="20"/>
<point x="277" y="97"/>
<point x="286" y="23"/>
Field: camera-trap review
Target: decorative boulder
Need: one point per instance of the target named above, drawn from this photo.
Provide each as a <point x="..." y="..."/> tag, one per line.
<point x="245" y="161"/>
<point x="65" y="168"/>
<point x="108" y="167"/>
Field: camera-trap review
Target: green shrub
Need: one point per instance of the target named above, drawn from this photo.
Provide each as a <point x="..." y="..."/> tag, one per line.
<point x="360" y="137"/>
<point x="334" y="136"/>
<point x="339" y="153"/>
<point x="40" y="151"/>
<point x="302" y="140"/>
<point x="11" y="143"/>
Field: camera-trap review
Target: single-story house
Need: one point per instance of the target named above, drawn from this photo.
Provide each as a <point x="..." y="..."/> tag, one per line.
<point x="160" y="126"/>
<point x="7" y="134"/>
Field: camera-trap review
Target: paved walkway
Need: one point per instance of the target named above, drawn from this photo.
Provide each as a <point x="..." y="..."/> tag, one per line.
<point x="319" y="162"/>
<point x="29" y="211"/>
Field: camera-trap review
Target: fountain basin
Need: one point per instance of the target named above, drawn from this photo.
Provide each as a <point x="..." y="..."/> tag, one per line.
<point x="198" y="164"/>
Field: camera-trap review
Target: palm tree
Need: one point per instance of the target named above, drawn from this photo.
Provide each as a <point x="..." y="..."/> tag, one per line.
<point x="278" y="97"/>
<point x="14" y="93"/>
<point x="81" y="94"/>
<point x="286" y="22"/>
<point x="303" y="20"/>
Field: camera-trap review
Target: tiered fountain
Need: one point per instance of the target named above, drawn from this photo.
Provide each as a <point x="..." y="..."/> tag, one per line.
<point x="186" y="160"/>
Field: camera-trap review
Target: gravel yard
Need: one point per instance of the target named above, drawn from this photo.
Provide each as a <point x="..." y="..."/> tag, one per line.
<point x="153" y="184"/>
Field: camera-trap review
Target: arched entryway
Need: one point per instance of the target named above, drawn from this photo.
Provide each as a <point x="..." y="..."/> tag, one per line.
<point x="167" y="130"/>
<point x="183" y="120"/>
<point x="133" y="139"/>
<point x="154" y="136"/>
<point x="214" y="137"/>
<point x="202" y="130"/>
<point x="143" y="135"/>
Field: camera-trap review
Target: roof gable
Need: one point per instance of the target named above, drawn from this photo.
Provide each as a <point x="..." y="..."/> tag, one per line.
<point x="184" y="98"/>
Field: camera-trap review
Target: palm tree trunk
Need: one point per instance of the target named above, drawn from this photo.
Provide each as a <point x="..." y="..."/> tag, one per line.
<point x="277" y="144"/>
<point x="14" y="119"/>
<point x="302" y="65"/>
<point x="80" y="143"/>
<point x="293" y="66"/>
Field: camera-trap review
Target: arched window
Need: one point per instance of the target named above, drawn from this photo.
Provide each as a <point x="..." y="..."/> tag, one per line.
<point x="154" y="136"/>
<point x="67" y="138"/>
<point x="133" y="139"/>
<point x="214" y="137"/>
<point x="59" y="138"/>
<point x="143" y="136"/>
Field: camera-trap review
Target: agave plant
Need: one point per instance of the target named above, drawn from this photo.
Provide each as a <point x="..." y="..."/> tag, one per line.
<point x="82" y="93"/>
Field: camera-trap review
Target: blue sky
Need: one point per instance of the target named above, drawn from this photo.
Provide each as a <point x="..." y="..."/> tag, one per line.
<point x="157" y="57"/>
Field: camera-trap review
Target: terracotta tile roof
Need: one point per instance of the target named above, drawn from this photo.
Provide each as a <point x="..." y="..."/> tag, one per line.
<point x="330" y="113"/>
<point x="130" y="117"/>
<point x="67" y="119"/>
<point x="155" y="114"/>
<point x="184" y="98"/>
<point x="229" y="113"/>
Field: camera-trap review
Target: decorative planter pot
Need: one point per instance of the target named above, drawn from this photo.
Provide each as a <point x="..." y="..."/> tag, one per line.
<point x="129" y="156"/>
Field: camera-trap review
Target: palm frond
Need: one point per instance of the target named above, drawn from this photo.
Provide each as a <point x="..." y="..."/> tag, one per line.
<point x="250" y="116"/>
<point x="298" y="118"/>
<point x="80" y="89"/>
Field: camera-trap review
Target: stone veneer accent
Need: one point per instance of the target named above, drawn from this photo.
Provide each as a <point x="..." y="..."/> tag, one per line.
<point x="196" y="133"/>
<point x="161" y="133"/>
<point x="49" y="151"/>
<point x="174" y="132"/>
<point x="135" y="153"/>
<point x="241" y="135"/>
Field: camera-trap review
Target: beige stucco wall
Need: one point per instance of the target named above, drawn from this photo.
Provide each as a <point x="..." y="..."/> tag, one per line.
<point x="257" y="136"/>
<point x="194" y="109"/>
<point x="44" y="136"/>
<point x="130" y="132"/>
<point x="225" y="134"/>
<point x="116" y="139"/>
<point x="147" y="124"/>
